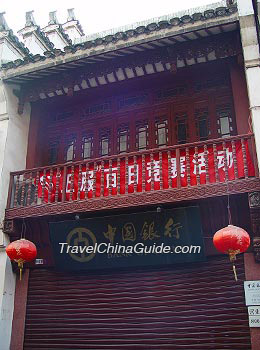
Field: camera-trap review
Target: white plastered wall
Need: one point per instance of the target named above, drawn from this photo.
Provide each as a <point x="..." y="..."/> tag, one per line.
<point x="55" y="38"/>
<point x="252" y="64"/>
<point x="14" y="131"/>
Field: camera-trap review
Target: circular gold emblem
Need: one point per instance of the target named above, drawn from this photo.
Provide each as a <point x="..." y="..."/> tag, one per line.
<point x="82" y="238"/>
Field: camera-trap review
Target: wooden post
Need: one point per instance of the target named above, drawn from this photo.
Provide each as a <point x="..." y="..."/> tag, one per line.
<point x="50" y="185"/>
<point x="254" y="206"/>
<point x="207" y="163"/>
<point x="20" y="301"/>
<point x="197" y="166"/>
<point x="244" y="157"/>
<point x="29" y="190"/>
<point x="126" y="175"/>
<point x="152" y="172"/>
<point x="178" y="167"/>
<point x="234" y="156"/>
<point x="10" y="192"/>
<point x="161" y="170"/>
<point x="71" y="183"/>
<point x="110" y="177"/>
<point x="225" y="161"/>
<point x="79" y="181"/>
<point x="136" y="175"/>
<point x="23" y="190"/>
<point x="102" y="179"/>
<point x="187" y="156"/>
<point x="118" y="176"/>
<point x="169" y="169"/>
<point x="37" y="187"/>
<point x="143" y="173"/>
<point x="86" y="182"/>
<point x="215" y="162"/>
<point x="57" y="184"/>
<point x="43" y="185"/>
<point x="64" y="184"/>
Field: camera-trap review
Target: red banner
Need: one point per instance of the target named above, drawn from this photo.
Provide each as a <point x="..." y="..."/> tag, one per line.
<point x="87" y="183"/>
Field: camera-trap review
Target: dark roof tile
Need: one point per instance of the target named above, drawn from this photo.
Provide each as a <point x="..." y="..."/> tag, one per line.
<point x="163" y="24"/>
<point x="209" y="14"/>
<point x="175" y="21"/>
<point x="221" y="11"/>
<point x="186" y="19"/>
<point x="152" y="26"/>
<point x="197" y="16"/>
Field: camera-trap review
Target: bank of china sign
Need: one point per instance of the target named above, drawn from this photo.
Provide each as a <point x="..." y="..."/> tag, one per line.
<point x="85" y="181"/>
<point x="150" y="238"/>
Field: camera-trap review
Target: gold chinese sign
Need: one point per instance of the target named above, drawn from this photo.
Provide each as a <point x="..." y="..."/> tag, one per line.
<point x="147" y="238"/>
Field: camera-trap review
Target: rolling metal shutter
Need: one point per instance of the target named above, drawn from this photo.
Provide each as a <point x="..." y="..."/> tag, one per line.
<point x="193" y="307"/>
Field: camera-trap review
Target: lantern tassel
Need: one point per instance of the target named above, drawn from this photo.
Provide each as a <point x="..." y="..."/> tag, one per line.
<point x="20" y="266"/>
<point x="235" y="271"/>
<point x="232" y="258"/>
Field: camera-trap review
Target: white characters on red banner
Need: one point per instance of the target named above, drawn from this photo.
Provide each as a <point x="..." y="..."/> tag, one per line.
<point x="199" y="163"/>
<point x="84" y="178"/>
<point x="221" y="159"/>
<point x="113" y="177"/>
<point x="156" y="171"/>
<point x="174" y="167"/>
<point x="132" y="174"/>
<point x="90" y="183"/>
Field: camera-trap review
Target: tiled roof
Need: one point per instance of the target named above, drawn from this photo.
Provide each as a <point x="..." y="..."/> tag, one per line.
<point x="18" y="43"/>
<point x="181" y="19"/>
<point x="178" y="19"/>
<point x="64" y="35"/>
<point x="45" y="39"/>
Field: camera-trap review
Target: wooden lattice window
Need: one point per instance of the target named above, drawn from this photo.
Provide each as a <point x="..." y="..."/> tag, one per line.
<point x="225" y="121"/>
<point x="70" y="148"/>
<point x="62" y="117"/>
<point x="131" y="101"/>
<point x="87" y="146"/>
<point x="171" y="92"/>
<point x="202" y="123"/>
<point x="104" y="107"/>
<point x="141" y="135"/>
<point x="104" y="142"/>
<point x="161" y="132"/>
<point x="123" y="139"/>
<point x="53" y="152"/>
<point x="216" y="82"/>
<point x="181" y="128"/>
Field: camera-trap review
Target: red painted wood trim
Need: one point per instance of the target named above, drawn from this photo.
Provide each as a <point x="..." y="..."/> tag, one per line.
<point x="20" y="301"/>
<point x="33" y="138"/>
<point x="240" y="97"/>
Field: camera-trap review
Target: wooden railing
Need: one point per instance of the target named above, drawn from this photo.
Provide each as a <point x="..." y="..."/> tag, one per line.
<point x="182" y="166"/>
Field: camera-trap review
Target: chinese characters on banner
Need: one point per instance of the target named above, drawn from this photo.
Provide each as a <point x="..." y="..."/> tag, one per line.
<point x="87" y="184"/>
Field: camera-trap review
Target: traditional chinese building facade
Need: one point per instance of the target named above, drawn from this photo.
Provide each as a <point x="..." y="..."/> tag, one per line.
<point x="141" y="136"/>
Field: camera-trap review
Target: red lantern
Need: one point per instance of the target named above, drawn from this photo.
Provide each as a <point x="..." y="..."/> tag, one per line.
<point x="231" y="240"/>
<point x="21" y="251"/>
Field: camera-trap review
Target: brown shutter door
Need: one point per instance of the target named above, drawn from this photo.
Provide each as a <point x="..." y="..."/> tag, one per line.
<point x="193" y="307"/>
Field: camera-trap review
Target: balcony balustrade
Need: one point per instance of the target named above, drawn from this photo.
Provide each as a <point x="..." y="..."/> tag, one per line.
<point x="188" y="171"/>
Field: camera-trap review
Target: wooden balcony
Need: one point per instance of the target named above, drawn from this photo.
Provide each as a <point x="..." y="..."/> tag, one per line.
<point x="177" y="173"/>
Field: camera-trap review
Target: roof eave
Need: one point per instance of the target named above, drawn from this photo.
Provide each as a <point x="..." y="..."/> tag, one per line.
<point x="81" y="53"/>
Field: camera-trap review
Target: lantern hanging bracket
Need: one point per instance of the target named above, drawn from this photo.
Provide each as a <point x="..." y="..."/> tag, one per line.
<point x="228" y="206"/>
